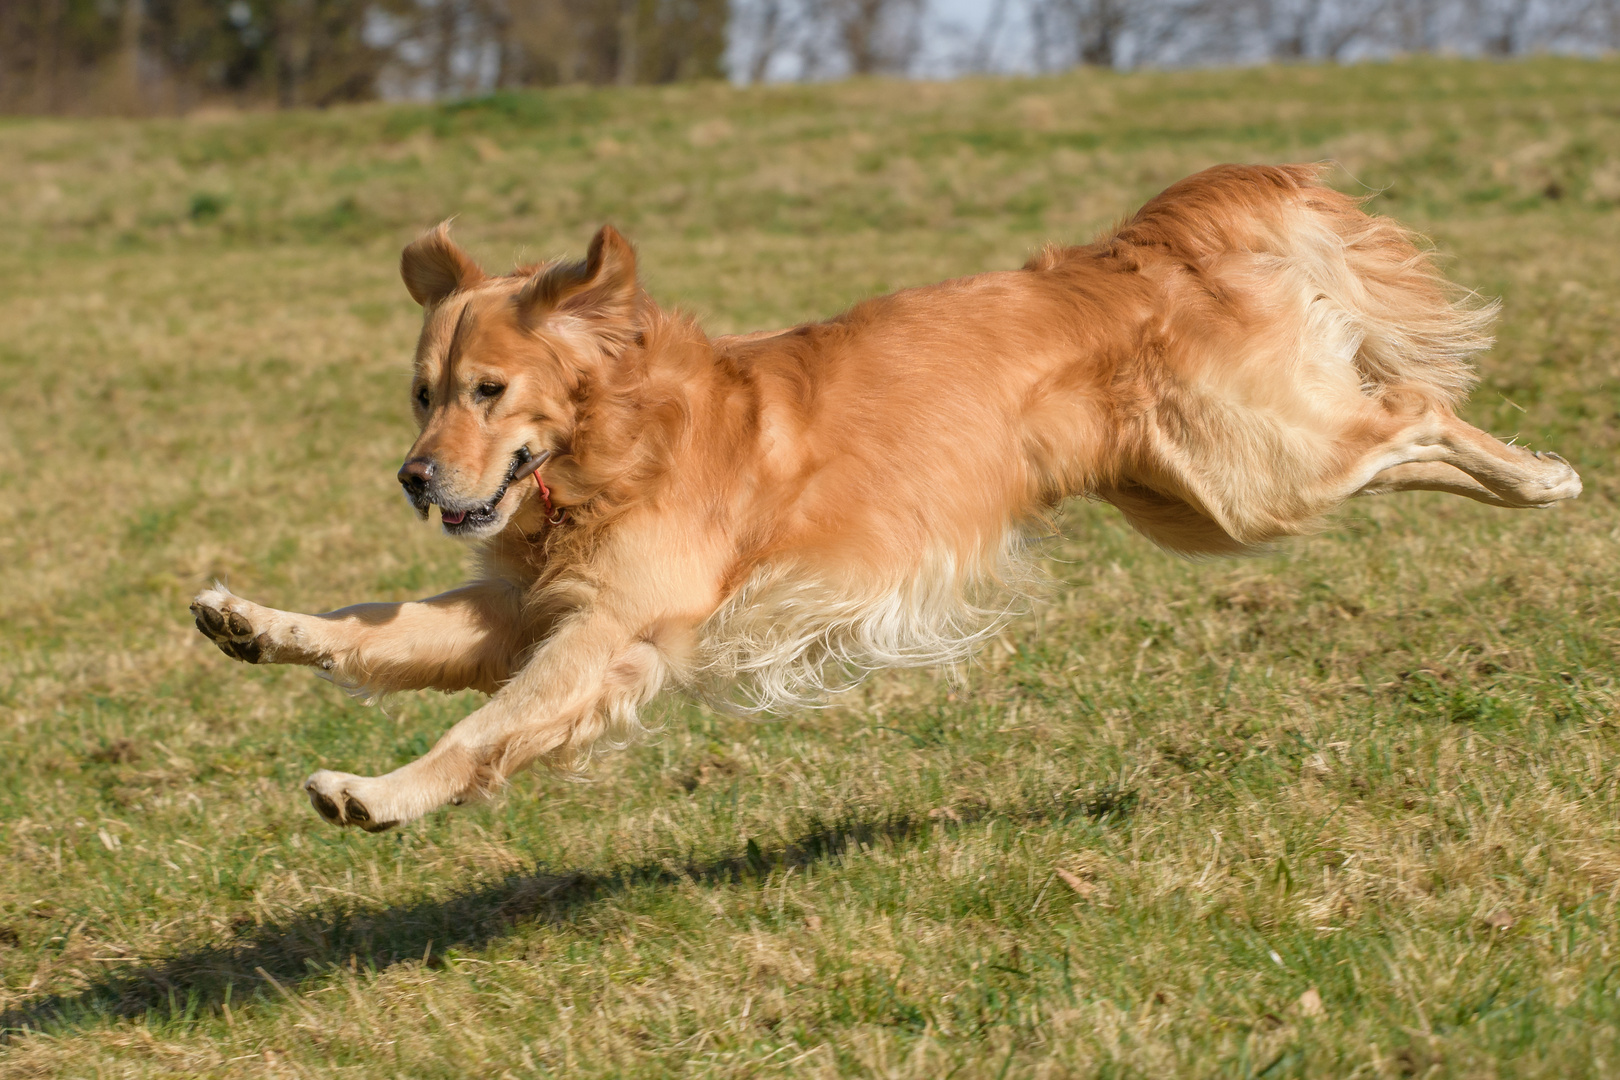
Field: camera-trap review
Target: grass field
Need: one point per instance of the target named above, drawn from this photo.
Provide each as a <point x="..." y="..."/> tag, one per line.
<point x="1348" y="809"/>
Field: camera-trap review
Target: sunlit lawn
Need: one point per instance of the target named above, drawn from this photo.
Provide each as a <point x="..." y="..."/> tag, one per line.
<point x="1349" y="808"/>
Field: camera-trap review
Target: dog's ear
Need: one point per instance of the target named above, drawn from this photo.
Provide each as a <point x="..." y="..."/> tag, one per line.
<point x="434" y="267"/>
<point x="602" y="290"/>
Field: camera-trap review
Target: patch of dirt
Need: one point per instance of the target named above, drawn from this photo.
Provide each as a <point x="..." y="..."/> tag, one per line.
<point x="117" y="752"/>
<point x="706" y="772"/>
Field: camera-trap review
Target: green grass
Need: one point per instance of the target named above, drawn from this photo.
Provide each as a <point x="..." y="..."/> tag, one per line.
<point x="1168" y="814"/>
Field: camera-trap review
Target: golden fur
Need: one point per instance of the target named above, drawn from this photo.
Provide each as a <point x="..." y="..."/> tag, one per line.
<point x="761" y="517"/>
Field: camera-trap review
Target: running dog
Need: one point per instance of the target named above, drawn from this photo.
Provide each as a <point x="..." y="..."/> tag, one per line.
<point x="763" y="516"/>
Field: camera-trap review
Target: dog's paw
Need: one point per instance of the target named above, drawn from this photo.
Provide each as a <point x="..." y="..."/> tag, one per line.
<point x="1559" y="480"/>
<point x="338" y="798"/>
<point x="228" y="621"/>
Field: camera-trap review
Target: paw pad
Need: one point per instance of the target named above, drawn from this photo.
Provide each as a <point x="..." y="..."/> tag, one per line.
<point x="227" y="628"/>
<point x="352" y="811"/>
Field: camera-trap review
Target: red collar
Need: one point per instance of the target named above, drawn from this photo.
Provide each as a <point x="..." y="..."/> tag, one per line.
<point x="554" y="515"/>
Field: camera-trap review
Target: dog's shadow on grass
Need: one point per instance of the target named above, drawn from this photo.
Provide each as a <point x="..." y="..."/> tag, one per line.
<point x="268" y="961"/>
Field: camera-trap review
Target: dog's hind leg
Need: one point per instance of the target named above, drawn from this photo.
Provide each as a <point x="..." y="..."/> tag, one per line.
<point x="471" y="637"/>
<point x="1430" y="476"/>
<point x="1493" y="471"/>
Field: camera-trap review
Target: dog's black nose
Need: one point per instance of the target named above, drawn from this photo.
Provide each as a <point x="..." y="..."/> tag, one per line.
<point x="415" y="474"/>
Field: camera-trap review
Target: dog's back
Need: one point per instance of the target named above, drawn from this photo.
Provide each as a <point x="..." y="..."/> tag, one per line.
<point x="1417" y="331"/>
<point x="1196" y="367"/>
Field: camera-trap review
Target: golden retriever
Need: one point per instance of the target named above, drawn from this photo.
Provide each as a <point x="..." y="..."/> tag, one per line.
<point x="762" y="516"/>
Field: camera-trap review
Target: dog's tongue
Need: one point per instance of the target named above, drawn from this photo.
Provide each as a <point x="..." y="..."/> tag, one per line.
<point x="452" y="519"/>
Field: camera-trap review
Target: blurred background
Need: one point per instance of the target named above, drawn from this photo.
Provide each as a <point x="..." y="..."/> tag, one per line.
<point x="163" y="56"/>
<point x="1351" y="808"/>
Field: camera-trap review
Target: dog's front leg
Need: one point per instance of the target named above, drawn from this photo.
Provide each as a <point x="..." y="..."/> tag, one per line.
<point x="471" y="637"/>
<point x="597" y="667"/>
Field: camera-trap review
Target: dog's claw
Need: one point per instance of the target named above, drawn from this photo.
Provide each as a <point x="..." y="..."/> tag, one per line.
<point x="1562" y="483"/>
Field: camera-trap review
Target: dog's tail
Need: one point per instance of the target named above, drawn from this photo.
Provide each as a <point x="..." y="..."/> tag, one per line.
<point x="1417" y="331"/>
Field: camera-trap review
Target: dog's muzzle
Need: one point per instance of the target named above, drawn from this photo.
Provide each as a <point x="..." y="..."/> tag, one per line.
<point x="417" y="478"/>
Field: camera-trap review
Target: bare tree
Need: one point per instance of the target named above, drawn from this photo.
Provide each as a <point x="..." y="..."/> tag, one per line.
<point x="1087" y="32"/>
<point x="1099" y="30"/>
<point x="545" y="42"/>
<point x="1121" y="33"/>
<point x="1503" y="24"/>
<point x="626" y="59"/>
<point x="1288" y="26"/>
<point x="1327" y="29"/>
<point x="46" y="60"/>
<point x="764" y="32"/>
<point x="985" y="47"/>
<point x="1417" y="25"/>
<point x="131" y="17"/>
<point x="1588" y="22"/>
<point x="123" y="55"/>
<point x="875" y="36"/>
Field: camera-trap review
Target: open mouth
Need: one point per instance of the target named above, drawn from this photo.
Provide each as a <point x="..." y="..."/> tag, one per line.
<point x="463" y="520"/>
<point x="479" y="517"/>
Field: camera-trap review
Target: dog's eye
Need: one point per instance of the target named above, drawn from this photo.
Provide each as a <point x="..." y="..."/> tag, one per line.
<point x="422" y="396"/>
<point x="490" y="390"/>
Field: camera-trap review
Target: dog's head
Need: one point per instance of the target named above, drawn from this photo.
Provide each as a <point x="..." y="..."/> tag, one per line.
<point x="499" y="371"/>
